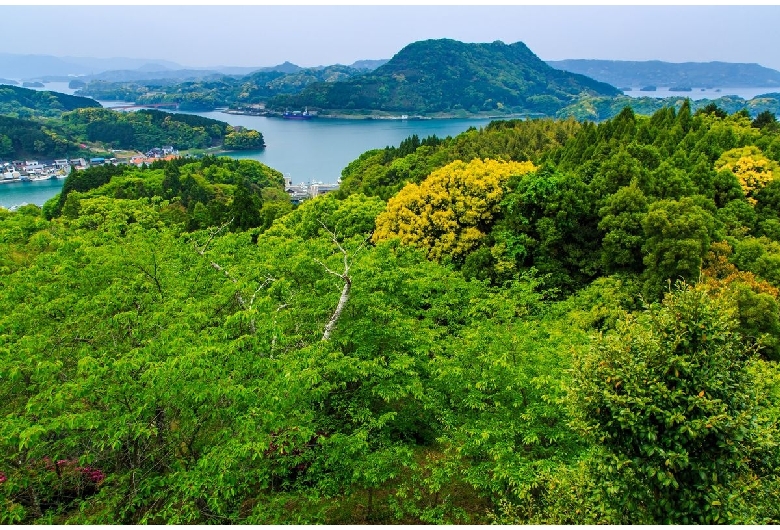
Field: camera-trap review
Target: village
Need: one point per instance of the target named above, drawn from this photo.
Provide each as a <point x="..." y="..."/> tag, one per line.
<point x="34" y="170"/>
<point x="30" y="170"/>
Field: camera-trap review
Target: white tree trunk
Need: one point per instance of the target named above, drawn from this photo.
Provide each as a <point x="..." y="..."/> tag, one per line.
<point x="339" y="308"/>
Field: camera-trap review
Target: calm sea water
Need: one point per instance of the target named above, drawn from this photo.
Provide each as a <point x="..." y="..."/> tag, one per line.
<point x="37" y="192"/>
<point x="318" y="149"/>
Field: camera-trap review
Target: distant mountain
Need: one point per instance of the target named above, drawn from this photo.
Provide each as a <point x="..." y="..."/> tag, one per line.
<point x="445" y="76"/>
<point x="368" y="64"/>
<point x="127" y="76"/>
<point x="286" y="68"/>
<point x="153" y="67"/>
<point x="17" y="66"/>
<point x="658" y="73"/>
<point x="206" y="92"/>
<point x="120" y="63"/>
<point x="29" y="66"/>
<point x="156" y="72"/>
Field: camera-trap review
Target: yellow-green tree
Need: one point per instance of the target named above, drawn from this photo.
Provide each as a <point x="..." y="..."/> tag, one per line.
<point x="449" y="212"/>
<point x="752" y="168"/>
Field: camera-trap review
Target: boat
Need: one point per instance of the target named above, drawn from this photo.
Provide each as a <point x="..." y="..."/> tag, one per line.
<point x="297" y="115"/>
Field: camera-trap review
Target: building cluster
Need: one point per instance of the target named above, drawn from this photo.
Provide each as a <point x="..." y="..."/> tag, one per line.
<point x="303" y="191"/>
<point x="22" y="170"/>
<point x="33" y="170"/>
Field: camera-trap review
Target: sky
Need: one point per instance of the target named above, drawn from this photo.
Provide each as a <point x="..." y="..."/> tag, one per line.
<point x="312" y="35"/>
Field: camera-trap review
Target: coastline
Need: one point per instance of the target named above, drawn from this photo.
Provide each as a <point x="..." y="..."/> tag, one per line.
<point x="380" y="115"/>
<point x="36" y="179"/>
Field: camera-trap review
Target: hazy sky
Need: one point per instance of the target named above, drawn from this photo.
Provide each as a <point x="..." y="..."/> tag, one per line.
<point x="264" y="35"/>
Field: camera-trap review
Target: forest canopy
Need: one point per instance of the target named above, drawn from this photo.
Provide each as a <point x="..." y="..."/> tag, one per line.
<point x="577" y="323"/>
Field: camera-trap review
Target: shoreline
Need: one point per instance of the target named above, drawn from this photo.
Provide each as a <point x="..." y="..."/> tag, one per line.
<point x="387" y="117"/>
<point x="21" y="181"/>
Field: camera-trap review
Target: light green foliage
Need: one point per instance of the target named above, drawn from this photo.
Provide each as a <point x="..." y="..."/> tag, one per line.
<point x="242" y="140"/>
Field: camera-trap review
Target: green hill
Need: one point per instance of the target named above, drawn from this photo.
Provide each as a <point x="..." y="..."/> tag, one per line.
<point x="21" y="102"/>
<point x="447" y="76"/>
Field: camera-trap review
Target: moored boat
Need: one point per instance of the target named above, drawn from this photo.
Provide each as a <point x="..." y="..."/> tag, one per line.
<point x="297" y="114"/>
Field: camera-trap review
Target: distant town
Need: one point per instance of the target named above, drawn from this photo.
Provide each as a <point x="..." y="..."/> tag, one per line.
<point x="34" y="170"/>
<point x="28" y="170"/>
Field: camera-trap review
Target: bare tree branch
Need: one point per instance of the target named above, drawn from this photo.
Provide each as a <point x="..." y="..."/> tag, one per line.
<point x="344" y="298"/>
<point x="214" y="233"/>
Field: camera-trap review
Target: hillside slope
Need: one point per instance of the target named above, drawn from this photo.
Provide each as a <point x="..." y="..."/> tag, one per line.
<point x="21" y="102"/>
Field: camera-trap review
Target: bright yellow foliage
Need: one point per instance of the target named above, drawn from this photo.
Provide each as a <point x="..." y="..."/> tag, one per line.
<point x="752" y="168"/>
<point x="445" y="213"/>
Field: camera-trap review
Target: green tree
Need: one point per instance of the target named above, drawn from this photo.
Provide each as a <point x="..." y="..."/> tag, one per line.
<point x="678" y="235"/>
<point x="671" y="400"/>
<point x="245" y="208"/>
<point x="765" y="119"/>
<point x="621" y="222"/>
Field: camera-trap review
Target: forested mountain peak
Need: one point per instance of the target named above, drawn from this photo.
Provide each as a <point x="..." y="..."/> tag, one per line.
<point x="445" y="75"/>
<point x="428" y="54"/>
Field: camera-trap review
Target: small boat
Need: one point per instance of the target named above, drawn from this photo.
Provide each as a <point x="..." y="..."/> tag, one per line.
<point x="297" y="115"/>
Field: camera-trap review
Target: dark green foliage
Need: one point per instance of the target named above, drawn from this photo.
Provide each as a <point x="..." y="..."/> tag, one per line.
<point x="146" y="129"/>
<point x="713" y="109"/>
<point x="621" y="223"/>
<point x="678" y="235"/>
<point x="27" y="138"/>
<point x="548" y="223"/>
<point x="245" y="208"/>
<point x="85" y="180"/>
<point x="765" y="119"/>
